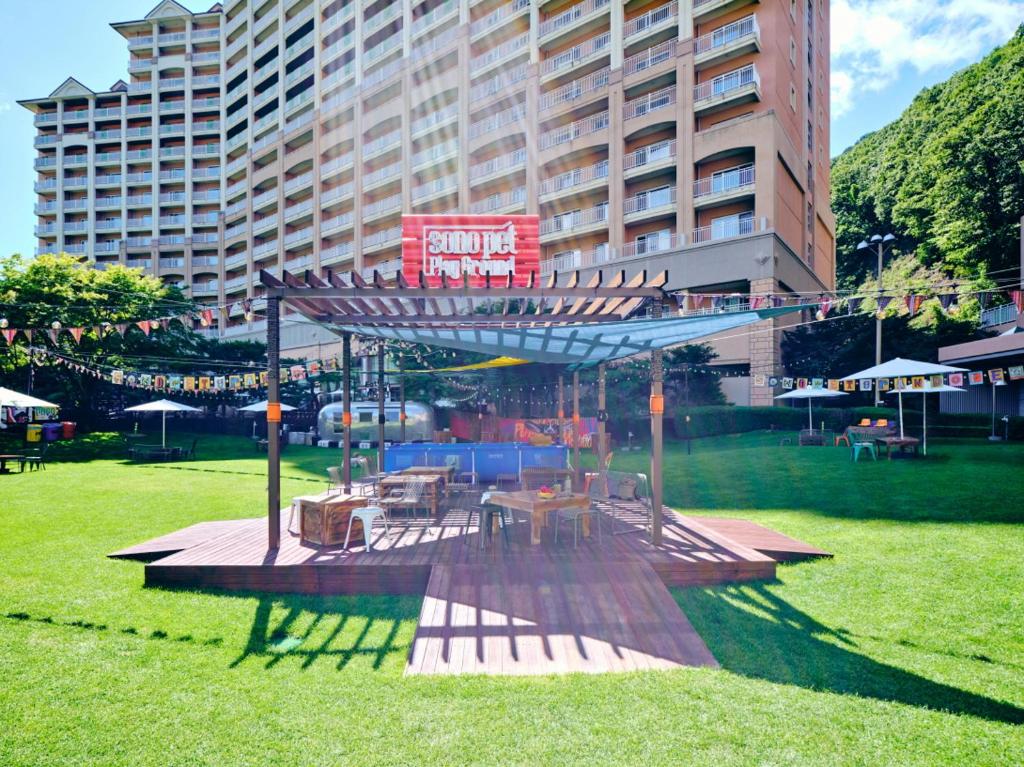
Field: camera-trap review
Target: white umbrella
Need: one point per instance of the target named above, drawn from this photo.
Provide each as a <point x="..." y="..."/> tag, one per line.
<point x="924" y="407"/>
<point x="902" y="368"/>
<point x="11" y="398"/>
<point x="810" y="394"/>
<point x="164" y="406"/>
<point x="261" y="407"/>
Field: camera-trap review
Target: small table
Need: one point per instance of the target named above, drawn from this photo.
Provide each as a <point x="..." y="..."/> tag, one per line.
<point x="10" y="457"/>
<point x="433" y="488"/>
<point x="528" y="500"/>
<point x="323" y="518"/>
<point x="535" y="476"/>
<point x="905" y="445"/>
<point x="447" y="473"/>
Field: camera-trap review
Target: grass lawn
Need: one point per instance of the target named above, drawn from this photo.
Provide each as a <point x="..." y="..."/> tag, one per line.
<point x="907" y="648"/>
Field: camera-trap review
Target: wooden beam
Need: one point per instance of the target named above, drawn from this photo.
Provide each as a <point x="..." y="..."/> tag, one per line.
<point x="273" y="424"/>
<point x="346" y="410"/>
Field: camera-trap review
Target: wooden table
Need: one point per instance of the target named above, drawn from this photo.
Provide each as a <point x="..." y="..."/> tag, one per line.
<point x="447" y="473"/>
<point x="10" y="457"/>
<point x="433" y="488"/>
<point x="903" y="444"/>
<point x="534" y="476"/>
<point x="538" y="508"/>
<point x="323" y="518"/>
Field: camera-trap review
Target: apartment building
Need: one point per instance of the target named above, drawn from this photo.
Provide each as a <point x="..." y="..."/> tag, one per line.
<point x="293" y="134"/>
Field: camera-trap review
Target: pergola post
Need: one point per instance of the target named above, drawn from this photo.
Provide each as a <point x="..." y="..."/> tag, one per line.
<point x="346" y="410"/>
<point x="273" y="422"/>
<point x="602" y="418"/>
<point x="576" y="428"/>
<point x="401" y="401"/>
<point x="561" y="408"/>
<point x="380" y="406"/>
<point x="657" y="409"/>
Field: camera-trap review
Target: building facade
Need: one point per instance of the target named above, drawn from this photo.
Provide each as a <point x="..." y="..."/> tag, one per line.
<point x="692" y="136"/>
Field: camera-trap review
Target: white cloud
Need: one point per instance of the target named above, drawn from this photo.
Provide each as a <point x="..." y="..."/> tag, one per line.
<point x="873" y="41"/>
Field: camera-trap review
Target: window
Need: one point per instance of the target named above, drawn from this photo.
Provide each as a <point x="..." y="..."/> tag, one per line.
<point x="810" y="218"/>
<point x="792" y="96"/>
<point x="653" y="242"/>
<point x="810" y="135"/>
<point x="732" y="178"/>
<point x="365" y="416"/>
<point x="732" y="226"/>
<point x="653" y="198"/>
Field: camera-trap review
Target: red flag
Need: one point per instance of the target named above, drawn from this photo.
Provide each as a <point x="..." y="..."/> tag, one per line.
<point x="76" y="333"/>
<point x="1018" y="299"/>
<point x="121" y="327"/>
<point x="143" y="326"/>
<point x="9" y="334"/>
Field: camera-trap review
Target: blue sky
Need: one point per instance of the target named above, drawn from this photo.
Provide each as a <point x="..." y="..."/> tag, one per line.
<point x="883" y="53"/>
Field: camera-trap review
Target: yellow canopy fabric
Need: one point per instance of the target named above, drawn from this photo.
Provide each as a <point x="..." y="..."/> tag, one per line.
<point x="497" y="362"/>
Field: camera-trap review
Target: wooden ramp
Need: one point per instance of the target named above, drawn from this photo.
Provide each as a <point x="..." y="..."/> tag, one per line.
<point x="779" y="547"/>
<point x="180" y="540"/>
<point x="551" y="617"/>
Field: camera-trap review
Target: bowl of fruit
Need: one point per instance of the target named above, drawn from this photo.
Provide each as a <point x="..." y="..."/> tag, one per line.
<point x="545" y="492"/>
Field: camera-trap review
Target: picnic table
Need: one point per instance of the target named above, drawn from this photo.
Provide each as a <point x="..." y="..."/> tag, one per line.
<point x="433" y="489"/>
<point x="446" y="473"/>
<point x="11" y="457"/>
<point x="538" y="508"/>
<point x="154" y="452"/>
<point x="905" y="445"/>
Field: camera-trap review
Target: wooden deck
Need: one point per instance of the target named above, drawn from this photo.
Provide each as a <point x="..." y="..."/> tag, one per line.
<point x="779" y="547"/>
<point x="559" y="617"/>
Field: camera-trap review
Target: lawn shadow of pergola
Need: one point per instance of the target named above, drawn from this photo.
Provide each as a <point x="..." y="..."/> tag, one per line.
<point x="755" y="633"/>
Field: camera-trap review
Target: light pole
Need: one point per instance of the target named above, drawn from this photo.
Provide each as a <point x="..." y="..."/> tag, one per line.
<point x="880" y="243"/>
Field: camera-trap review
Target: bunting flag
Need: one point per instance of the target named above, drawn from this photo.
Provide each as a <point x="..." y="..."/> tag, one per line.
<point x="76" y="333"/>
<point x="866" y="384"/>
<point x="883" y="303"/>
<point x="883" y="384"/>
<point x="976" y="378"/>
<point x="853" y="304"/>
<point x="849" y="386"/>
<point x="143" y="325"/>
<point x="1018" y="299"/>
<point x="946" y="300"/>
<point x="956" y="379"/>
<point x="833" y="384"/>
<point x="1016" y="372"/>
<point x="996" y="376"/>
<point x="913" y="303"/>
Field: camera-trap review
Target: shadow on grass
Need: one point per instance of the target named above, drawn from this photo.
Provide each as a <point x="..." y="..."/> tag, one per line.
<point x="752" y="632"/>
<point x="103" y="628"/>
<point x="333" y="629"/>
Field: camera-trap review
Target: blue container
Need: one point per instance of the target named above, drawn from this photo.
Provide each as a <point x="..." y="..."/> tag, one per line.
<point x="51" y="432"/>
<point x="400" y="457"/>
<point x="549" y="456"/>
<point x="495" y="459"/>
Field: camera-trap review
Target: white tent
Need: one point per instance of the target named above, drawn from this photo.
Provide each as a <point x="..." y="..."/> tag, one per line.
<point x="164" y="406"/>
<point x="924" y="407"/>
<point x="261" y="407"/>
<point x="11" y="398"/>
<point x="810" y="394"/>
<point x="902" y="368"/>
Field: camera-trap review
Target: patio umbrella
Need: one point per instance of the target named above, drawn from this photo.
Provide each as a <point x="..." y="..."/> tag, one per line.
<point x="261" y="407"/>
<point x="11" y="398"/>
<point x="924" y="407"/>
<point x="902" y="368"/>
<point x="810" y="395"/>
<point x="163" y="406"/>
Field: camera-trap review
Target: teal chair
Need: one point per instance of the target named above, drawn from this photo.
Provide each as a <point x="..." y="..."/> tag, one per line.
<point x="857" y="447"/>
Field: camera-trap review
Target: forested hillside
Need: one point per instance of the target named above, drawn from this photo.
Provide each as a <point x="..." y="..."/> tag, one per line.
<point x="947" y="177"/>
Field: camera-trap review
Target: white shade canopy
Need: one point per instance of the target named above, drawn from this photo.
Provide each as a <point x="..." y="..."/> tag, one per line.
<point x="261" y="407"/>
<point x="810" y="393"/>
<point x="945" y="388"/>
<point x="163" y="405"/>
<point x="902" y="368"/>
<point x="11" y="398"/>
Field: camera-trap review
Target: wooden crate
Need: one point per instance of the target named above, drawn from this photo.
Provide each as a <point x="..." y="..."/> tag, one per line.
<point x="323" y="519"/>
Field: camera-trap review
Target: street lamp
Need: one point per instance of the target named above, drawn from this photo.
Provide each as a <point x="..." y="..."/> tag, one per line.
<point x="881" y="244"/>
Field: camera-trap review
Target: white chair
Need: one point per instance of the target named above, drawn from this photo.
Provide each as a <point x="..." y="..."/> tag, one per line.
<point x="366" y="515"/>
<point x="409" y="497"/>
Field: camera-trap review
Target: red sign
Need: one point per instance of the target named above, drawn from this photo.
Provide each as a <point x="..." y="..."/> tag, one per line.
<point x="470" y="245"/>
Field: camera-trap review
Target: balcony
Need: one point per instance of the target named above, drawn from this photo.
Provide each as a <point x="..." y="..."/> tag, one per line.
<point x="45" y="118"/>
<point x="45" y="162"/>
<point x="735" y="39"/>
<point x="383" y="239"/>
<point x="436" y="153"/>
<point x="705" y="10"/>
<point x="498" y="17"/>
<point x="593" y="83"/>
<point x="336" y="224"/>
<point x="574" y="223"/>
<point x="499" y="120"/>
<point x="438" y="187"/>
<point x="434" y="44"/>
<point x="499" y="84"/>
<point x="208" y="288"/>
<point x="724" y="186"/>
<point x="381" y="19"/>
<point x="264" y="224"/>
<point x="738" y="225"/>
<point x="382" y="75"/>
<point x="265" y="249"/>
<point x="382" y="175"/>
<point x="78" y="114"/>
<point x="648" y="59"/>
<point x="381" y="144"/>
<point x="649" y="159"/>
<point x="428" y="122"/>
<point x="335" y="253"/>
<point x="502" y="164"/>
<point x="434" y="16"/>
<point x="171" y="83"/>
<point x="272" y="67"/>
<point x="385" y="206"/>
<point x="388" y="270"/>
<point x="298" y="210"/>
<point x="335" y="165"/>
<point x="736" y="87"/>
<point x="999" y="315"/>
<point x="578" y="55"/>
<point x="649" y="102"/>
<point x="575" y="180"/>
<point x="381" y="50"/>
<point x="655" y="20"/>
<point x="571" y="19"/>
<point x="338" y="18"/>
<point x="503" y="202"/>
<point x="46" y="140"/>
<point x="300" y="237"/>
<point x="570" y="260"/>
<point x="651" y="203"/>
<point x="299" y="182"/>
<point x="338" y="47"/>
<point x="574" y="130"/>
<point x="654" y="242"/>
<point x="499" y="54"/>
<point x="337" y="193"/>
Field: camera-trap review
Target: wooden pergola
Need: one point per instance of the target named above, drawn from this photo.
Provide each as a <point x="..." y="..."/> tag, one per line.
<point x="346" y="304"/>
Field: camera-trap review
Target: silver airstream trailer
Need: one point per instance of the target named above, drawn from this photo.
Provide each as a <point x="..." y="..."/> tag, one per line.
<point x="419" y="422"/>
